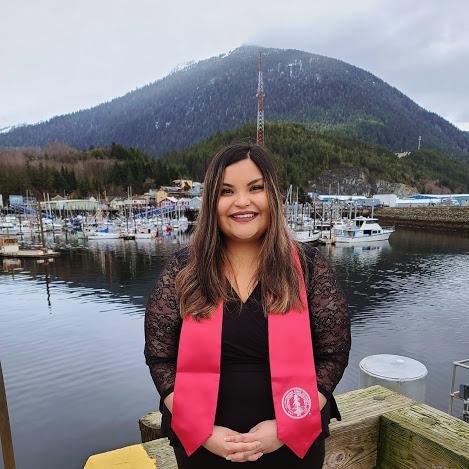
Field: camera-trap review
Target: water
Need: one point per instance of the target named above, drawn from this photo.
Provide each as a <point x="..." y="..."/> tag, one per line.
<point x="71" y="334"/>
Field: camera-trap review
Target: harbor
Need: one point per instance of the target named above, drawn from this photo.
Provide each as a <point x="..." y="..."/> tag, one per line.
<point x="291" y="127"/>
<point x="72" y="341"/>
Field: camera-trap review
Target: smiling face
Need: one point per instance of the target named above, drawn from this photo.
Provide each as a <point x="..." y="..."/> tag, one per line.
<point x="243" y="208"/>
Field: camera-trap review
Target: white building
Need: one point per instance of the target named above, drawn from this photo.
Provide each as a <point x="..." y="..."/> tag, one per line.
<point x="342" y="198"/>
<point x="388" y="200"/>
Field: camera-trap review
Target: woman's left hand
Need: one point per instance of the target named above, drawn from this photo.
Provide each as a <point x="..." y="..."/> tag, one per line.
<point x="265" y="432"/>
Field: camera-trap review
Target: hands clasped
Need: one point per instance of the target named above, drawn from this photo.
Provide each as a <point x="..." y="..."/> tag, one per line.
<point x="244" y="447"/>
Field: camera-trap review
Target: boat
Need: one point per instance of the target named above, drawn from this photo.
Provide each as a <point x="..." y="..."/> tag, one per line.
<point x="306" y="236"/>
<point x="127" y="235"/>
<point x="51" y="225"/>
<point x="102" y="234"/>
<point x="8" y="228"/>
<point x="359" y="230"/>
<point x="145" y="233"/>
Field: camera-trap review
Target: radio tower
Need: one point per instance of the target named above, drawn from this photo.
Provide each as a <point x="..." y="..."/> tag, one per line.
<point x="260" y="105"/>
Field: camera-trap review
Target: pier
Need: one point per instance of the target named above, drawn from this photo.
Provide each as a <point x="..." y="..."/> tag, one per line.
<point x="380" y="429"/>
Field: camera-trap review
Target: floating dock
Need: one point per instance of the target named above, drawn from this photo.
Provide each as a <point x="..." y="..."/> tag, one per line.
<point x="31" y="253"/>
<point x="9" y="248"/>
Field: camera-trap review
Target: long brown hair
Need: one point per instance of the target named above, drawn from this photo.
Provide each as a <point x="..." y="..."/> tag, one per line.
<point x="201" y="284"/>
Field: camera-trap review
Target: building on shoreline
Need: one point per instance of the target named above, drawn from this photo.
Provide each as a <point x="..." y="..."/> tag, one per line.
<point x="392" y="200"/>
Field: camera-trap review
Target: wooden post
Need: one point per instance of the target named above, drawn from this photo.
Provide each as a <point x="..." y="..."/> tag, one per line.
<point x="353" y="441"/>
<point x="5" y="432"/>
<point x="420" y="436"/>
<point x="150" y="426"/>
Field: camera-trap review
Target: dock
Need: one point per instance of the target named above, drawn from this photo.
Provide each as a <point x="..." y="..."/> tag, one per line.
<point x="31" y="254"/>
<point x="380" y="429"/>
<point x="9" y="248"/>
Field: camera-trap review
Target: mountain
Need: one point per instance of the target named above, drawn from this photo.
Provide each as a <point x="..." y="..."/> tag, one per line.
<point x="218" y="94"/>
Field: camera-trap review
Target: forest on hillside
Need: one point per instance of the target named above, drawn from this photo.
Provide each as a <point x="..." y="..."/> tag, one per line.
<point x="61" y="169"/>
<point x="301" y="155"/>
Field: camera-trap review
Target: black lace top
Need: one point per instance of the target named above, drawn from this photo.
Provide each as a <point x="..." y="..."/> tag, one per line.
<point x="330" y="325"/>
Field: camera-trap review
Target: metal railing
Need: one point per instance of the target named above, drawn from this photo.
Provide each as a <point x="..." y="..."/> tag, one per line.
<point x="463" y="392"/>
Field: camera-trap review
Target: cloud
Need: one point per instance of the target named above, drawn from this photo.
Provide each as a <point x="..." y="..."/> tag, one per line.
<point x="421" y="48"/>
<point x="58" y="57"/>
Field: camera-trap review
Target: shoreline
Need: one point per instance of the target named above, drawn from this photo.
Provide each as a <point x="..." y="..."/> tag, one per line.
<point x="455" y="219"/>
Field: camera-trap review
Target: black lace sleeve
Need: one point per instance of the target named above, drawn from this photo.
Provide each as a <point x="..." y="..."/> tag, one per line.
<point x="330" y="322"/>
<point x="162" y="329"/>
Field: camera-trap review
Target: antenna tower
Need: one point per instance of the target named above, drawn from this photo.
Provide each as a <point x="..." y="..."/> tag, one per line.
<point x="260" y="104"/>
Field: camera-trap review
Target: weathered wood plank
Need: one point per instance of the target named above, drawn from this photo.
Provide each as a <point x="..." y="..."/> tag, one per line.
<point x="352" y="444"/>
<point x="354" y="440"/>
<point x="162" y="453"/>
<point x="419" y="436"/>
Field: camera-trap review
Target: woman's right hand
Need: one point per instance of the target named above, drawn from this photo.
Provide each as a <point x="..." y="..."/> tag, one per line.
<point x="216" y="444"/>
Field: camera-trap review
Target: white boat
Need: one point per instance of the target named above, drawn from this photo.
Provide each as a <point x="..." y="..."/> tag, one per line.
<point x="306" y="236"/>
<point x="102" y="234"/>
<point x="9" y="229"/>
<point x="145" y="233"/>
<point x="50" y="225"/>
<point x="360" y="230"/>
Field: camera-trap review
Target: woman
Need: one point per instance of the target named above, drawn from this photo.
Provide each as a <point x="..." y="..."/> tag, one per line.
<point x="242" y="272"/>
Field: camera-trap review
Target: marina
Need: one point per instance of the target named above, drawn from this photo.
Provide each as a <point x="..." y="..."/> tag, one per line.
<point x="100" y="190"/>
<point x="72" y="342"/>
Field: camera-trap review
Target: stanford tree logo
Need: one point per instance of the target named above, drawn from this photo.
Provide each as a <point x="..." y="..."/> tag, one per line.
<point x="296" y="403"/>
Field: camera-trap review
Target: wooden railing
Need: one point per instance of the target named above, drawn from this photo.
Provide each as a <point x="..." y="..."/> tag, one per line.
<point x="5" y="432"/>
<point x="380" y="429"/>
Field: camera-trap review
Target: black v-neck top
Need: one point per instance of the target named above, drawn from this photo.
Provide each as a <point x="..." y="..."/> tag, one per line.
<point x="245" y="394"/>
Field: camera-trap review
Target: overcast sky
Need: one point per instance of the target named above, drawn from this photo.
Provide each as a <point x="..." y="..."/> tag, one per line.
<point x="58" y="56"/>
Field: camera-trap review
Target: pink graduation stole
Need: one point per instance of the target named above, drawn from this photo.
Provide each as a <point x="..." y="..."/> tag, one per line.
<point x="293" y="376"/>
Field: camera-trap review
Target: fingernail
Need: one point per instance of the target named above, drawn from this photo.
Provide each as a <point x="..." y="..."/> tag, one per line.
<point x="228" y="458"/>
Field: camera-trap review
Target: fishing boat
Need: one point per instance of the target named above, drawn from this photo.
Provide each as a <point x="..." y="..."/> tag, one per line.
<point x="359" y="230"/>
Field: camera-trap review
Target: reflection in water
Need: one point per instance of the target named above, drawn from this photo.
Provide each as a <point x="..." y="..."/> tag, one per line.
<point x="80" y="371"/>
<point x="46" y="276"/>
<point x="362" y="254"/>
<point x="10" y="265"/>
